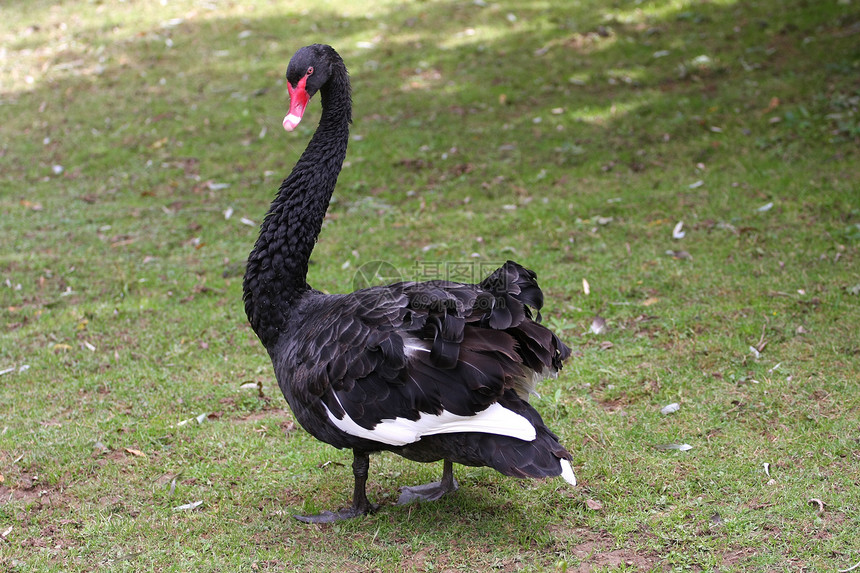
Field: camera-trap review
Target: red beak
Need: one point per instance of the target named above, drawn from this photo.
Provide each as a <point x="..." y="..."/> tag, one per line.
<point x="298" y="101"/>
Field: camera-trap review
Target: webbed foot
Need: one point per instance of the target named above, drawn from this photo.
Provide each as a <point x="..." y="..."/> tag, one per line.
<point x="331" y="516"/>
<point x="430" y="491"/>
<point x="426" y="492"/>
<point x="360" y="504"/>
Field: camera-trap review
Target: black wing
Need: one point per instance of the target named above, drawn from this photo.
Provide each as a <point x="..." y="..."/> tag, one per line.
<point x="436" y="348"/>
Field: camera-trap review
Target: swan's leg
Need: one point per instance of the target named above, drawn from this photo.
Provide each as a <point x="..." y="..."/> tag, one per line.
<point x="430" y="491"/>
<point x="360" y="504"/>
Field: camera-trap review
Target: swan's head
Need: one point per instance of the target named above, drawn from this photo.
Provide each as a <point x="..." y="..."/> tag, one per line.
<point x="308" y="71"/>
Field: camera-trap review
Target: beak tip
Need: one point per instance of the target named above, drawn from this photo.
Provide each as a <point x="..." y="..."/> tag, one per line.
<point x="291" y="121"/>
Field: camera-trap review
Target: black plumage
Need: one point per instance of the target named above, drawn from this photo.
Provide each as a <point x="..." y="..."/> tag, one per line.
<point x="432" y="371"/>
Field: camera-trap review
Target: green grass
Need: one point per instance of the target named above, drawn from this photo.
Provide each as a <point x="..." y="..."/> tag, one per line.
<point x="570" y="136"/>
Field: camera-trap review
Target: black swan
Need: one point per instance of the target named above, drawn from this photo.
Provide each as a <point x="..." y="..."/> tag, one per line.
<point x="431" y="371"/>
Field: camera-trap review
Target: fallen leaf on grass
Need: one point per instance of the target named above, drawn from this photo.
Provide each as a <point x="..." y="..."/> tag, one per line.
<point x="670" y="408"/>
<point x="650" y="300"/>
<point x="772" y="105"/>
<point x="30" y="205"/>
<point x="817" y="502"/>
<point x="679" y="447"/>
<point x="679" y="254"/>
<point x="164" y="479"/>
<point x="188" y="506"/>
<point x="598" y="325"/>
<point x="593" y="504"/>
<point x="852" y="568"/>
<point x="258" y="385"/>
<point x="199" y="419"/>
<point x="137" y="453"/>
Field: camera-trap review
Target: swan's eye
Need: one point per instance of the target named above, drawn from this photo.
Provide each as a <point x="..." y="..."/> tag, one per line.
<point x="310" y="71"/>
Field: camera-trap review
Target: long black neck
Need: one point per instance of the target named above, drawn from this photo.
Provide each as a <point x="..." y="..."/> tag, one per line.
<point x="276" y="275"/>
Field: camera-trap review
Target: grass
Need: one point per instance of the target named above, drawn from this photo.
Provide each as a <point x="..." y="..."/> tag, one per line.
<point x="570" y="136"/>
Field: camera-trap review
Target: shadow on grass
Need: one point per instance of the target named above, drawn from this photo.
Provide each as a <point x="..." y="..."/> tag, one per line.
<point x="613" y="72"/>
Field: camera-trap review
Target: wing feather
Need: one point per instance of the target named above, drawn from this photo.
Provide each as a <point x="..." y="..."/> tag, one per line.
<point x="364" y="356"/>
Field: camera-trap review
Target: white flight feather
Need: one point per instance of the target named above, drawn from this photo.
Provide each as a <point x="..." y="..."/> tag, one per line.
<point x="567" y="472"/>
<point x="495" y="419"/>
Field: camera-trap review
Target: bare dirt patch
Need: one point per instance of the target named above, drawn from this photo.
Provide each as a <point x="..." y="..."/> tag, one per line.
<point x="48" y="508"/>
<point x="737" y="557"/>
<point x="33" y="495"/>
<point x="596" y="549"/>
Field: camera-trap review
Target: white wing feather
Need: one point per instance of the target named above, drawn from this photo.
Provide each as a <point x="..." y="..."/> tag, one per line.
<point x="496" y="419"/>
